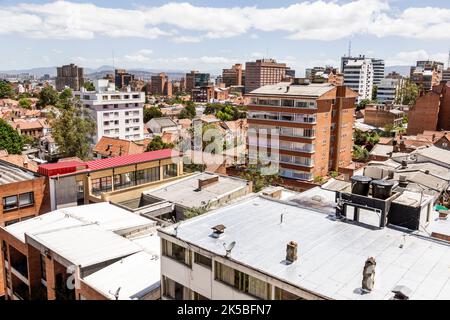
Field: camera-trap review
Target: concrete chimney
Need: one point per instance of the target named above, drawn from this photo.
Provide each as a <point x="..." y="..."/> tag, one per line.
<point x="291" y="251"/>
<point x="368" y="281"/>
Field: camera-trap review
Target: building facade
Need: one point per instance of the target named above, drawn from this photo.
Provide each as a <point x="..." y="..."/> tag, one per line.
<point x="233" y="76"/>
<point x="380" y="115"/>
<point x="389" y="90"/>
<point x="117" y="114"/>
<point x="263" y="72"/>
<point x="161" y="85"/>
<point x="358" y="76"/>
<point x="196" y="79"/>
<point x="75" y="183"/>
<point x="70" y="76"/>
<point x="312" y="122"/>
<point x="427" y="74"/>
<point x="122" y="78"/>
<point x="431" y="112"/>
<point x="378" y="67"/>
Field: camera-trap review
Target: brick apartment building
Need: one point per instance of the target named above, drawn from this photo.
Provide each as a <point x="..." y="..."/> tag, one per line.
<point x="41" y="255"/>
<point x="431" y="112"/>
<point x="161" y="85"/>
<point x="263" y="72"/>
<point x="70" y="76"/>
<point x="380" y="115"/>
<point x="233" y="76"/>
<point x="314" y="125"/>
<point x="23" y="194"/>
<point x="74" y="183"/>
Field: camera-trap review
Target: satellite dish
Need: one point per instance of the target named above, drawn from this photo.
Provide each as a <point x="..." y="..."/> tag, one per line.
<point x="229" y="247"/>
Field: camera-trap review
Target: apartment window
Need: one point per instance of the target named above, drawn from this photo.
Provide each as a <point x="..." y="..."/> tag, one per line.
<point x="135" y="96"/>
<point x="124" y="180"/>
<point x="10" y="203"/>
<point x="170" y="170"/>
<point x="281" y="294"/>
<point x="101" y="185"/>
<point x="242" y="281"/>
<point x="86" y="97"/>
<point x="104" y="97"/>
<point x="26" y="199"/>
<point x="147" y="175"/>
<point x="198" y="296"/>
<point x="174" y="290"/>
<point x="202" y="260"/>
<point x="10" y="222"/>
<point x="176" y="252"/>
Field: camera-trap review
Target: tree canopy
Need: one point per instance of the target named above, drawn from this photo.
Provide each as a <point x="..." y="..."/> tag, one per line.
<point x="188" y="112"/>
<point x="152" y="112"/>
<point x="73" y="130"/>
<point x="25" y="103"/>
<point x="48" y="96"/>
<point x="10" y="139"/>
<point x="89" y="86"/>
<point x="158" y="144"/>
<point x="408" y="93"/>
<point x="6" y="90"/>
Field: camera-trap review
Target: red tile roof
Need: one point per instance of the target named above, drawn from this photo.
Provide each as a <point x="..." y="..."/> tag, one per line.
<point x="53" y="169"/>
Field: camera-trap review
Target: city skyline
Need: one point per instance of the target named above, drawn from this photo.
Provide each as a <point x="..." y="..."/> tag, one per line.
<point x="197" y="35"/>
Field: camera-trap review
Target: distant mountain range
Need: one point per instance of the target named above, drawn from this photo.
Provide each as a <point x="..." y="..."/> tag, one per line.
<point x="99" y="72"/>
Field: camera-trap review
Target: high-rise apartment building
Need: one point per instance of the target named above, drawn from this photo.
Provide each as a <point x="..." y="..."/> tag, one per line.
<point x="70" y="76"/>
<point x="378" y="67"/>
<point x="233" y="76"/>
<point x="427" y="74"/>
<point x="313" y="123"/>
<point x="446" y="75"/>
<point x="161" y="85"/>
<point x="358" y="76"/>
<point x="196" y="79"/>
<point x="122" y="78"/>
<point x="263" y="72"/>
<point x="117" y="114"/>
<point x="389" y="90"/>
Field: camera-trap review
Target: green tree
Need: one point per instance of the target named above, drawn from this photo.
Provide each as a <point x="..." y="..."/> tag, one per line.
<point x="65" y="95"/>
<point x="89" y="86"/>
<point x="253" y="173"/>
<point x="73" y="130"/>
<point x="374" y="93"/>
<point x="158" y="144"/>
<point x="188" y="112"/>
<point x="6" y="90"/>
<point x="360" y="154"/>
<point x="152" y="112"/>
<point x="10" y="139"/>
<point x="25" y="103"/>
<point x="408" y="93"/>
<point x="48" y="96"/>
<point x="363" y="103"/>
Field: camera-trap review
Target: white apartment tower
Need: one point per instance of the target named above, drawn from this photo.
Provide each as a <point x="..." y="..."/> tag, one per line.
<point x="358" y="76"/>
<point x="118" y="114"/>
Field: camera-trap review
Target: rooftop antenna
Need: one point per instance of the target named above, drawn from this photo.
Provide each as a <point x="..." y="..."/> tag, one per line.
<point x="229" y="247"/>
<point x="350" y="48"/>
<point x="114" y="62"/>
<point x="116" y="294"/>
<point x="448" y="62"/>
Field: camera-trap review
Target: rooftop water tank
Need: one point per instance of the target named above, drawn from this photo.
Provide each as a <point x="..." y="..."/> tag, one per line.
<point x="382" y="189"/>
<point x="361" y="185"/>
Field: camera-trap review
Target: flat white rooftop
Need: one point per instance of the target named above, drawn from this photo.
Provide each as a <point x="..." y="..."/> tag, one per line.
<point x="184" y="191"/>
<point x="287" y="89"/>
<point x="135" y="275"/>
<point x="107" y="216"/>
<point x="331" y="254"/>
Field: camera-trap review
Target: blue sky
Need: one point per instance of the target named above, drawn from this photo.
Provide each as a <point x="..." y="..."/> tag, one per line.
<point x="211" y="35"/>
